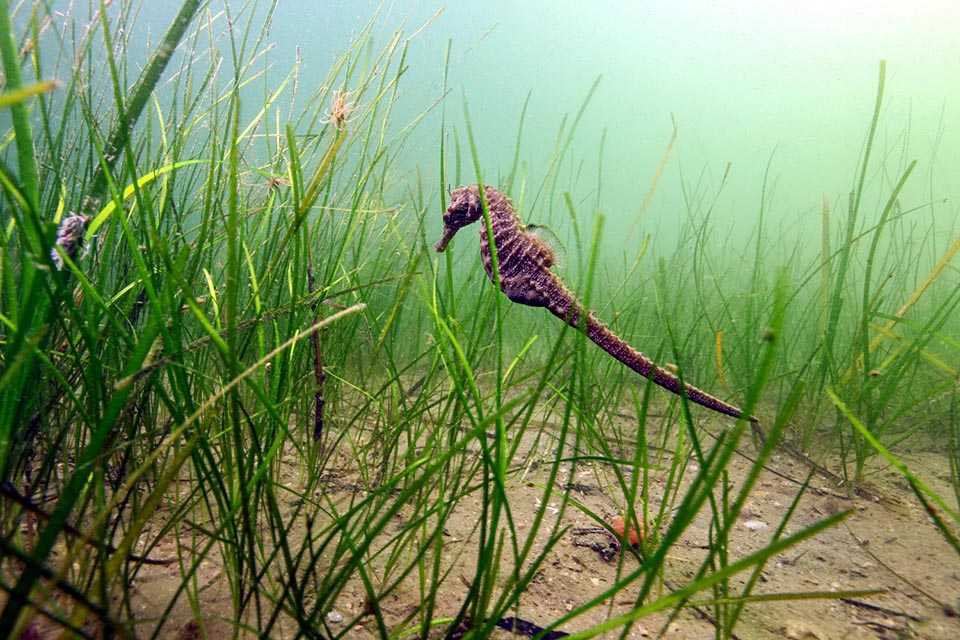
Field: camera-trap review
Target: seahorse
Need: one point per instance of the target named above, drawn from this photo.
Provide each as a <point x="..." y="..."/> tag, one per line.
<point x="524" y="262"/>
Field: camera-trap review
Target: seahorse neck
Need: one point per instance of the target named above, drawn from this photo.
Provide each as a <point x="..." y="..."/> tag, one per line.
<point x="502" y="213"/>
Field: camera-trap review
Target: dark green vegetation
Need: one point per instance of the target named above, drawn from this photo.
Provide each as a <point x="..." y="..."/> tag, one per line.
<point x="244" y="255"/>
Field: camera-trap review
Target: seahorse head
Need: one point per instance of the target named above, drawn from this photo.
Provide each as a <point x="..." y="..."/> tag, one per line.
<point x="465" y="208"/>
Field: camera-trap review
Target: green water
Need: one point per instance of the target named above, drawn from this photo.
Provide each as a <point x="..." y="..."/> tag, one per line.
<point x="747" y="83"/>
<point x="787" y="85"/>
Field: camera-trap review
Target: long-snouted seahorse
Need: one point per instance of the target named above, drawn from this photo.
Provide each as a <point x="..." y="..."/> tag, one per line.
<point x="524" y="263"/>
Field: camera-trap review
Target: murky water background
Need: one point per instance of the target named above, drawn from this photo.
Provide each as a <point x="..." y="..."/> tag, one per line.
<point x="785" y="84"/>
<point x="749" y="83"/>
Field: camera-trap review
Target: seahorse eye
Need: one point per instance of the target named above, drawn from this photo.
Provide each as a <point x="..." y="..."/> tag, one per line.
<point x="464" y="203"/>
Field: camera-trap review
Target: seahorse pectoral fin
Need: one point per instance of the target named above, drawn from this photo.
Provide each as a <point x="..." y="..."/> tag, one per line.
<point x="551" y="241"/>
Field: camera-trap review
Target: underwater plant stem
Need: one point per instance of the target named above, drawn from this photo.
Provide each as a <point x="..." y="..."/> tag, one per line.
<point x="131" y="111"/>
<point x="318" y="399"/>
<point x="836" y="299"/>
<point x="881" y="82"/>
<point x="918" y="292"/>
<point x="29" y="180"/>
<point x="19" y="346"/>
<point x="867" y="313"/>
<point x="824" y="266"/>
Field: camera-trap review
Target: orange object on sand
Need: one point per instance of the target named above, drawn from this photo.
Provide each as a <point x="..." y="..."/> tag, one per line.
<point x="618" y="526"/>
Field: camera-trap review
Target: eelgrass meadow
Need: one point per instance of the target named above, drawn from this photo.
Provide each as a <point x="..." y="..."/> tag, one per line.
<point x="241" y="366"/>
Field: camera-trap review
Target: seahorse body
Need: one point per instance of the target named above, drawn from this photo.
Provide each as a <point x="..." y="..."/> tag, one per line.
<point x="524" y="263"/>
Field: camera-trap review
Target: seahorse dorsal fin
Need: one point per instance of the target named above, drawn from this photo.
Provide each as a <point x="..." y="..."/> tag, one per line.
<point x="547" y="236"/>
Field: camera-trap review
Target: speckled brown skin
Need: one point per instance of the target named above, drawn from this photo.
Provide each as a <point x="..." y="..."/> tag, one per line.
<point x="524" y="262"/>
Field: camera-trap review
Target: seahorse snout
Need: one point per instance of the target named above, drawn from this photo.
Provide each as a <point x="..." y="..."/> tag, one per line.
<point x="445" y="239"/>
